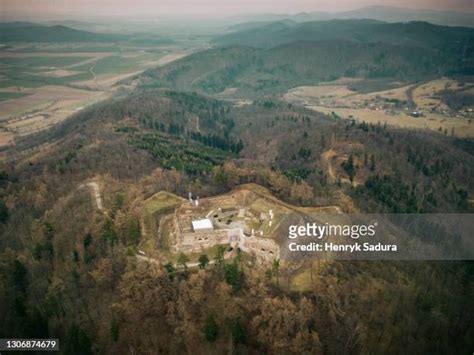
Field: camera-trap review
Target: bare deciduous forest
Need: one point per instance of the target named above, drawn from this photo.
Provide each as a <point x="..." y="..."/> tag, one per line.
<point x="73" y="196"/>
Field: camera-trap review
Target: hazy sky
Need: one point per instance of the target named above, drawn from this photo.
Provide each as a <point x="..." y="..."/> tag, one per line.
<point x="17" y="9"/>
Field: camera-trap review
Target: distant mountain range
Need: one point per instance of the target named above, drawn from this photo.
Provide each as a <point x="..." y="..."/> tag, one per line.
<point x="30" y="32"/>
<point x="395" y="14"/>
<point x="380" y="13"/>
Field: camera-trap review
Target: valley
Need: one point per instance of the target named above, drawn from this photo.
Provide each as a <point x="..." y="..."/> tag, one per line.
<point x="43" y="85"/>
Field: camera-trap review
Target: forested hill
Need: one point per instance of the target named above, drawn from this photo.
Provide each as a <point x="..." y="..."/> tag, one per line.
<point x="29" y="32"/>
<point x="69" y="269"/>
<point x="255" y="72"/>
<point x="193" y="134"/>
<point x="417" y="33"/>
<point x="276" y="57"/>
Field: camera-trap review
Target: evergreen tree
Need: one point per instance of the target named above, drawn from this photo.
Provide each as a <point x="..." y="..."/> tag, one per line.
<point x="203" y="261"/>
<point x="349" y="167"/>
<point x="372" y="163"/>
<point x="3" y="212"/>
<point x="219" y="258"/>
<point x="211" y="329"/>
<point x="239" y="334"/>
<point x="276" y="269"/>
<point x="182" y="261"/>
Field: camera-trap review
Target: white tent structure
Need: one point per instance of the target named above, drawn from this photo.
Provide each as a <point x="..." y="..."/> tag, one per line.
<point x="202" y="225"/>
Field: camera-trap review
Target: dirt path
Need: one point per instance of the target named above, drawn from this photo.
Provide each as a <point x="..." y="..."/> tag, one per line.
<point x="98" y="199"/>
<point x="91" y="70"/>
<point x="192" y="265"/>
<point x="172" y="57"/>
<point x="147" y="259"/>
<point x="92" y="60"/>
<point x="94" y="76"/>
<point x="327" y="156"/>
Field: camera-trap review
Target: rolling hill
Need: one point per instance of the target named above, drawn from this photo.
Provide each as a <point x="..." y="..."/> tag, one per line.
<point x="249" y="71"/>
<point x="71" y="267"/>
<point x="275" y="57"/>
<point x="420" y="34"/>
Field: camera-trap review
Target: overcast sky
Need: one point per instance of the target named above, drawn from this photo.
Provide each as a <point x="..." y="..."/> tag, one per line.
<point x="28" y="9"/>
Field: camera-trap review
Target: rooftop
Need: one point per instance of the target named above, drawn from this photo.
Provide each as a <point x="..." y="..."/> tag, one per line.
<point x="202" y="224"/>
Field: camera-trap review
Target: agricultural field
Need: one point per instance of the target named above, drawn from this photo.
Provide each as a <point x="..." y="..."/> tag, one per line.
<point x="42" y="107"/>
<point x="42" y="84"/>
<point x="421" y="106"/>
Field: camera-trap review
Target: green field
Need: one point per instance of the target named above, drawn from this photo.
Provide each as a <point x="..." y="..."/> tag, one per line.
<point x="118" y="64"/>
<point x="33" y="72"/>
<point x="12" y="95"/>
<point x="115" y="65"/>
<point x="23" y="79"/>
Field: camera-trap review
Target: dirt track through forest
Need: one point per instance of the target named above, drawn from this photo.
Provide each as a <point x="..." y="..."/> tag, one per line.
<point x="95" y="189"/>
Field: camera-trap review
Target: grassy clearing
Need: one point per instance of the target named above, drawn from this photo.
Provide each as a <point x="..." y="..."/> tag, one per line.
<point x="193" y="257"/>
<point x="160" y="201"/>
<point x="263" y="205"/>
<point x="153" y="205"/>
<point x="302" y="281"/>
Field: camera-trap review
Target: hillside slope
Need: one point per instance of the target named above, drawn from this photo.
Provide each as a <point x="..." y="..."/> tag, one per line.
<point x="275" y="57"/>
<point x="69" y="266"/>
<point x="257" y="72"/>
